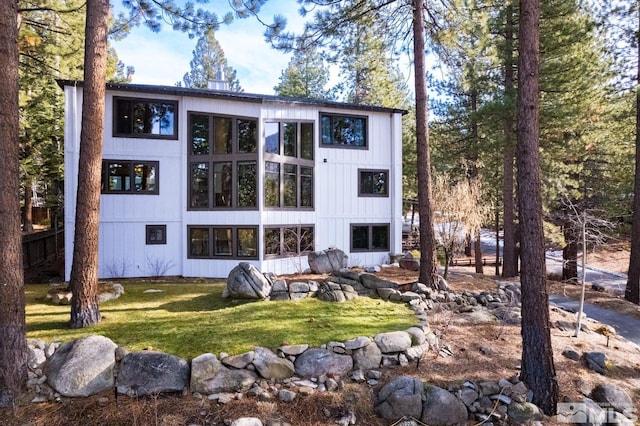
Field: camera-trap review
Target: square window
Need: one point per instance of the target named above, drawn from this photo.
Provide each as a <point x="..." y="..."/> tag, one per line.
<point x="370" y="237"/>
<point x="373" y="183"/>
<point x="156" y="234"/>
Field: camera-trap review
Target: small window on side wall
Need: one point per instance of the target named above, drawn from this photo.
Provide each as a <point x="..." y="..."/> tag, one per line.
<point x="156" y="234"/>
<point x="370" y="237"/>
<point x="343" y="131"/>
<point x="373" y="183"/>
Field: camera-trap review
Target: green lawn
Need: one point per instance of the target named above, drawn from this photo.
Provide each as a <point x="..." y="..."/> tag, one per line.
<point x="189" y="319"/>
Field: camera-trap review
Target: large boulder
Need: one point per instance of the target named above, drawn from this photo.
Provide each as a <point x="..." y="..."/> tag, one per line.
<point x="393" y="341"/>
<point x="327" y="261"/>
<point x="400" y="397"/>
<point x="367" y="357"/>
<point x="209" y="376"/>
<point x="612" y="396"/>
<point x="151" y="373"/>
<point x="82" y="367"/>
<point x="316" y="362"/>
<point x="442" y="408"/>
<point x="329" y="291"/>
<point x="246" y="282"/>
<point x="373" y="282"/>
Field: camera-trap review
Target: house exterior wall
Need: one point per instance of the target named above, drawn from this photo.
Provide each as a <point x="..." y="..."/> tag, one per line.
<point x="123" y="251"/>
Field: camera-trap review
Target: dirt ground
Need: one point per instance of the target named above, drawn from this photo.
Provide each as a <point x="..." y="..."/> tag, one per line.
<point x="481" y="351"/>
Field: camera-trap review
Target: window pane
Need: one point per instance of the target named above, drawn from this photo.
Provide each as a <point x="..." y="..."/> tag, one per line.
<point x="156" y="234"/>
<point x="222" y="184"/>
<point x="306" y="186"/>
<point x="153" y="118"/>
<point x="272" y="184"/>
<point x="199" y="134"/>
<point x="290" y="138"/>
<point x="326" y="126"/>
<point x="247" y="184"/>
<point x="290" y="241"/>
<point x="247" y="136"/>
<point x="290" y="186"/>
<point x="222" y="242"/>
<point x="306" y="239"/>
<point x="123" y="116"/>
<point x="119" y="177"/>
<point x="380" y="237"/>
<point x="145" y="177"/>
<point x="380" y="183"/>
<point x="306" y="141"/>
<point x="272" y="241"/>
<point x="199" y="184"/>
<point x="360" y="237"/>
<point x="199" y="242"/>
<point x="359" y="132"/>
<point x="366" y="182"/>
<point x="222" y="137"/>
<point x="272" y="138"/>
<point x="247" y="242"/>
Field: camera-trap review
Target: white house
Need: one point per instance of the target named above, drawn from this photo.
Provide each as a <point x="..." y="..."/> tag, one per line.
<point x="196" y="181"/>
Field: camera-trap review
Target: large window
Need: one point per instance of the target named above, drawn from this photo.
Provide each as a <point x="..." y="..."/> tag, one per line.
<point x="370" y="237"/>
<point x="288" y="179"/>
<point x="129" y="177"/>
<point x="222" y="162"/>
<point x="145" y="118"/>
<point x="222" y="242"/>
<point x="373" y="183"/>
<point x="343" y="131"/>
<point x="288" y="240"/>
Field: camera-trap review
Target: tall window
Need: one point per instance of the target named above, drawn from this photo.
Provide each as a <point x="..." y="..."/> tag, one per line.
<point x="222" y="242"/>
<point x="145" y="118"/>
<point x="343" y="131"/>
<point x="370" y="237"/>
<point x="289" y="240"/>
<point x="373" y="183"/>
<point x="222" y="162"/>
<point x="129" y="177"/>
<point x="288" y="179"/>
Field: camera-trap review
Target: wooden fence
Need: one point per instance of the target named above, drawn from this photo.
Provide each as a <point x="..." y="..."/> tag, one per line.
<point x="40" y="247"/>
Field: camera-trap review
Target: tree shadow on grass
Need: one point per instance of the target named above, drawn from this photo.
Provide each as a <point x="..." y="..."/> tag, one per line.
<point x="206" y="302"/>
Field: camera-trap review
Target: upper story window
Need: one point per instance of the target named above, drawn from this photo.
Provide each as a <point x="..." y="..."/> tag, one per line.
<point x="288" y="169"/>
<point x="373" y="183"/>
<point x="343" y="131"/>
<point x="145" y="118"/>
<point x="129" y="177"/>
<point x="222" y="162"/>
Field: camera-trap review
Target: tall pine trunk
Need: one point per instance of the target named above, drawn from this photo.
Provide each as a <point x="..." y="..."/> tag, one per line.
<point x="13" y="343"/>
<point x="428" y="261"/>
<point x="632" y="292"/>
<point x="84" y="270"/>
<point x="538" y="370"/>
<point x="509" y="253"/>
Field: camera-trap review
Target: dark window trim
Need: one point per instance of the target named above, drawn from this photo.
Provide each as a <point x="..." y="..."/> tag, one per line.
<point x="104" y="185"/>
<point x="281" y="229"/>
<point x="132" y="135"/>
<point x="234" y="242"/>
<point x="150" y="228"/>
<point x="297" y="161"/>
<point x="235" y="158"/>
<point x="370" y="239"/>
<point x="362" y="193"/>
<point x="338" y="145"/>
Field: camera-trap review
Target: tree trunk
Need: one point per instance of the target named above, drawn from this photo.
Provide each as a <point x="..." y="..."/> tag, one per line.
<point x="477" y="251"/>
<point x="27" y="216"/>
<point x="538" y="370"/>
<point x="632" y="292"/>
<point x="428" y="260"/>
<point x="467" y="245"/>
<point x="13" y="343"/>
<point x="570" y="255"/>
<point x="509" y="254"/>
<point x="84" y="271"/>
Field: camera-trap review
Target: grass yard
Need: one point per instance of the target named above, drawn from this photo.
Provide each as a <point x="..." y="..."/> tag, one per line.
<point x="189" y="319"/>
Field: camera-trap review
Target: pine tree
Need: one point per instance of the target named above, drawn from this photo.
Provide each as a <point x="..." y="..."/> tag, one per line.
<point x="306" y="75"/>
<point x="208" y="60"/>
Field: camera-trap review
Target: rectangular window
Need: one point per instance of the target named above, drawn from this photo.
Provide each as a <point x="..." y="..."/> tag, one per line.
<point x="370" y="237"/>
<point x="373" y="183"/>
<point x="145" y="118"/>
<point x="223" y="162"/>
<point x="343" y="131"/>
<point x="289" y="240"/>
<point x="222" y="242"/>
<point x="289" y="164"/>
<point x="156" y="234"/>
<point x="129" y="177"/>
